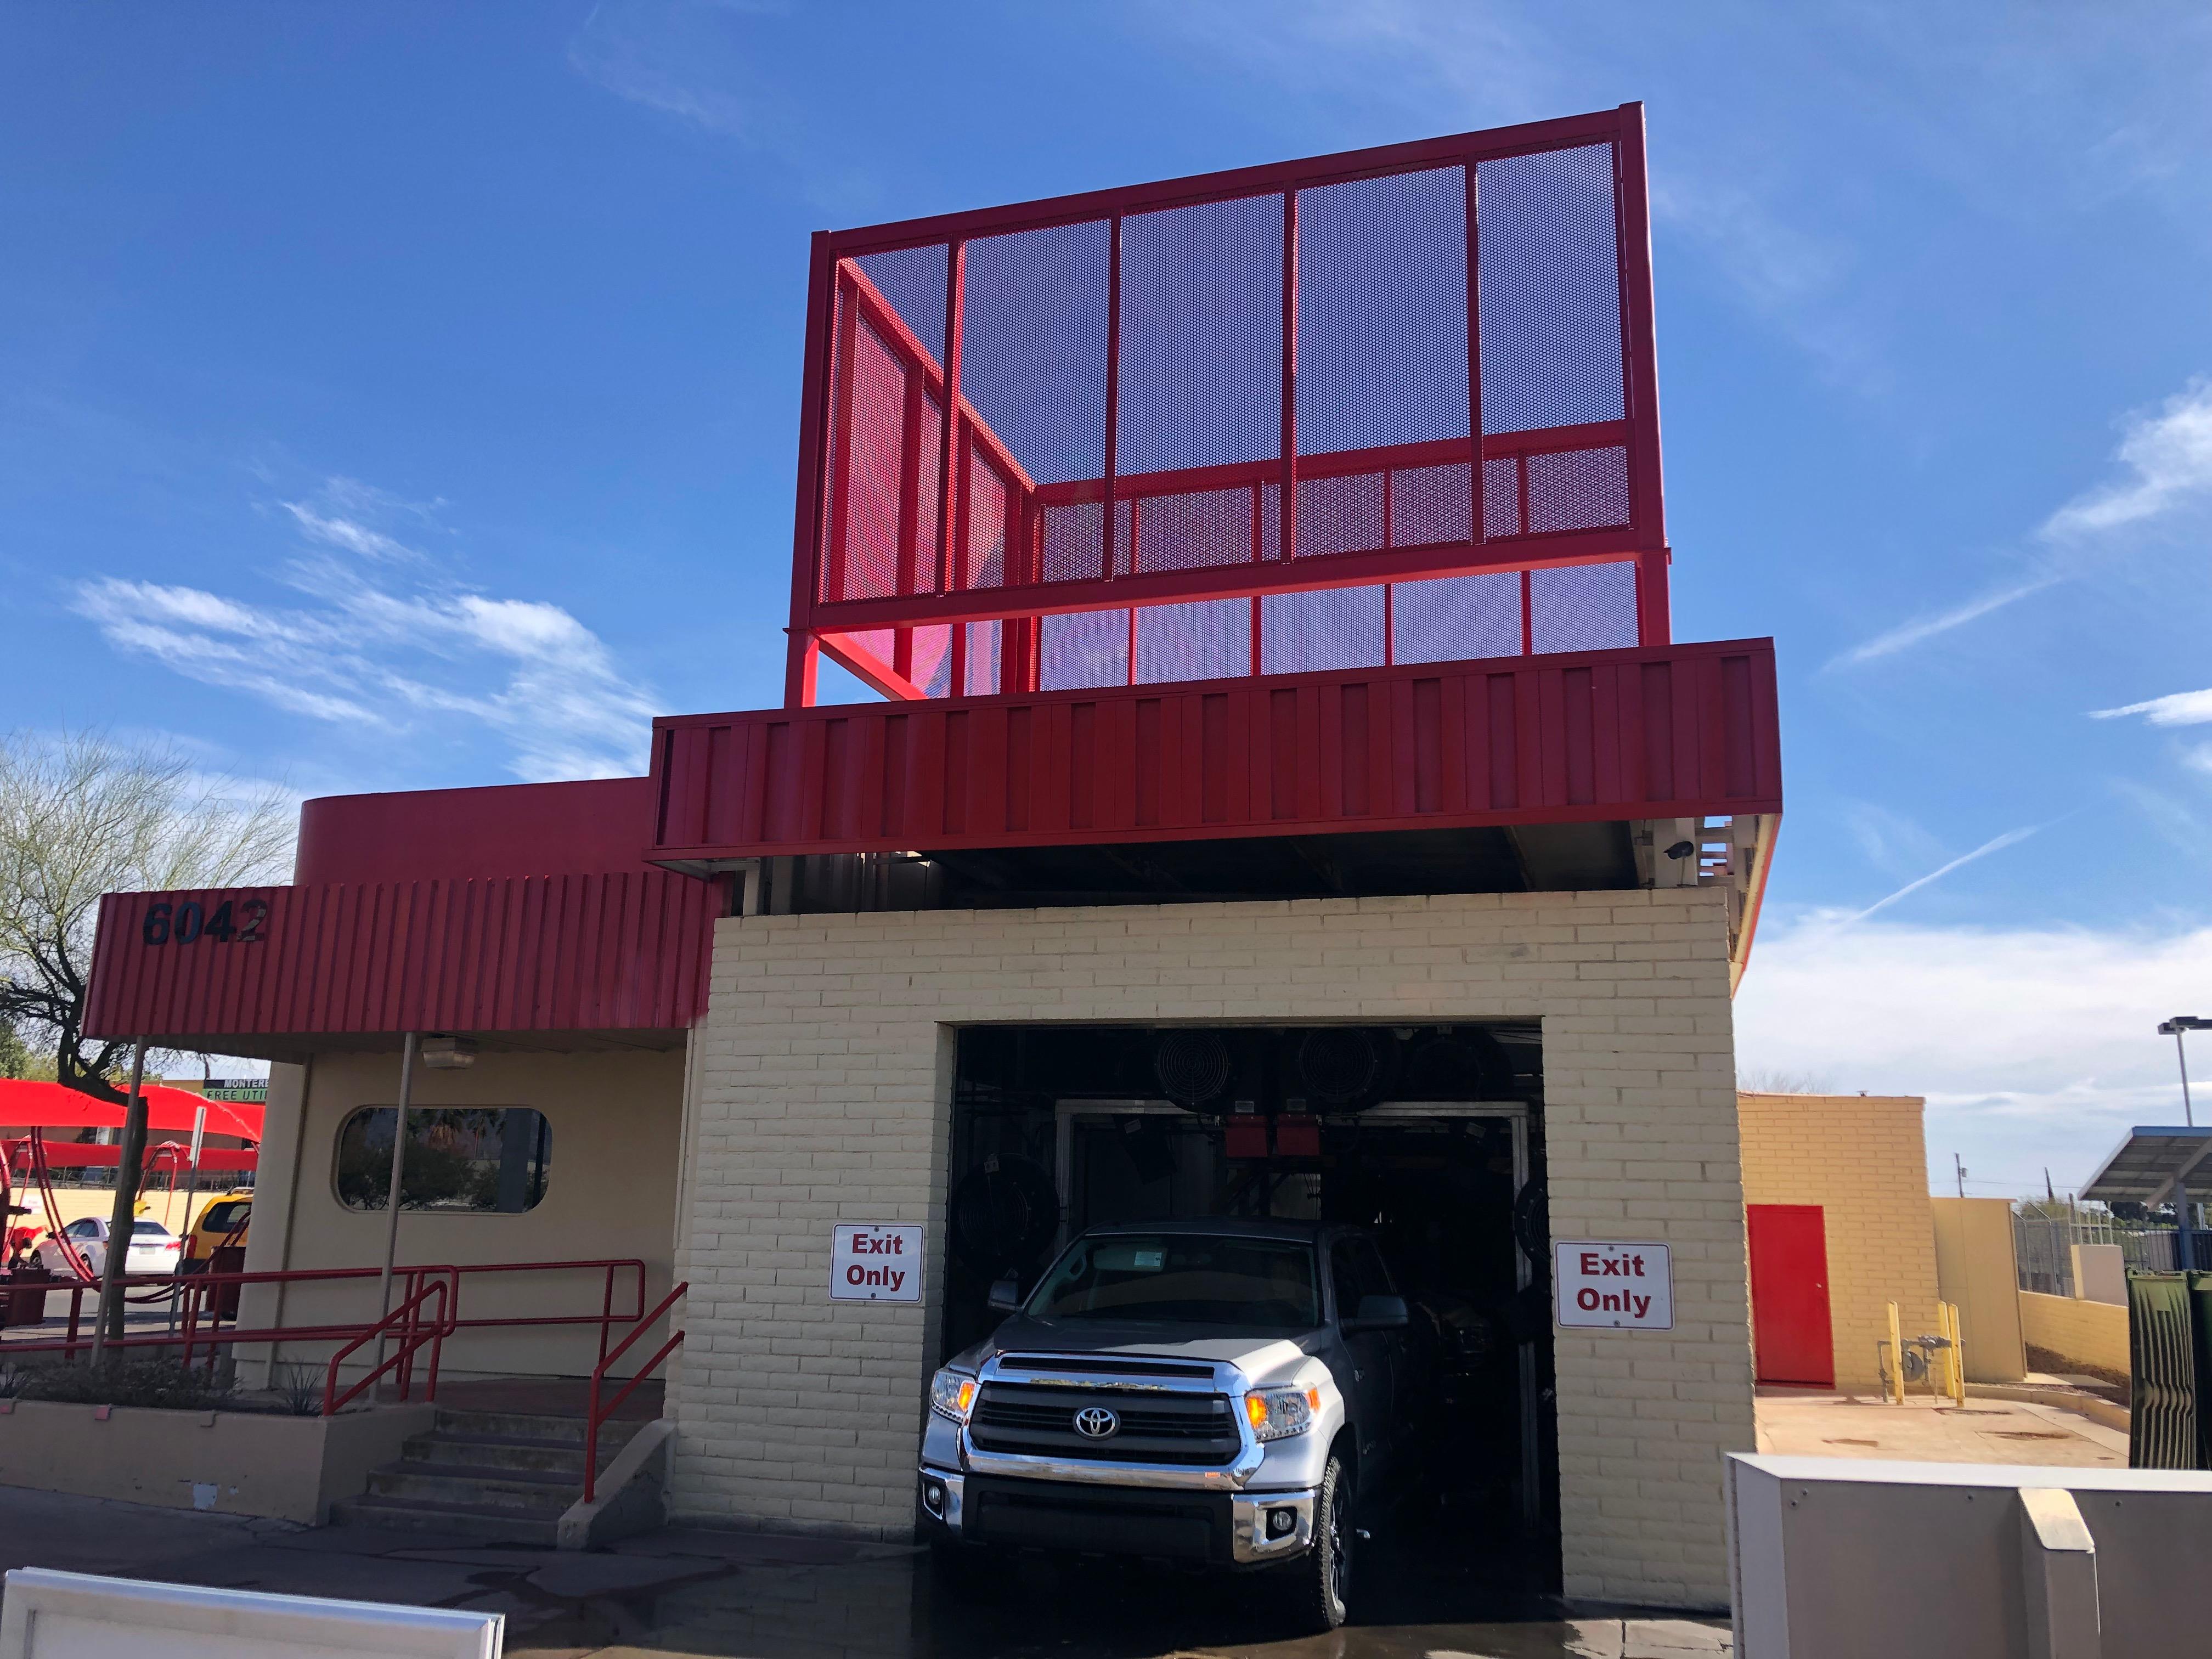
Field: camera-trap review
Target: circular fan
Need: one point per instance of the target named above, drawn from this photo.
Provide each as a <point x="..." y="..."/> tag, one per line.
<point x="1002" y="1216"/>
<point x="1459" y="1065"/>
<point x="1340" y="1064"/>
<point x="1531" y="1226"/>
<point x="1193" y="1066"/>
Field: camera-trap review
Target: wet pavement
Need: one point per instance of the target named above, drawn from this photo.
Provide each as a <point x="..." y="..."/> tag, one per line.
<point x="685" y="1591"/>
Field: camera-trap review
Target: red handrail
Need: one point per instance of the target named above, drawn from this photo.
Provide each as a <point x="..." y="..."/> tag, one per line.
<point x="414" y="1335"/>
<point x="597" y="1415"/>
<point x="199" y="1326"/>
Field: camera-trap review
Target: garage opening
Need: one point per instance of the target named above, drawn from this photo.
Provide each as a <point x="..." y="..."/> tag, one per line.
<point x="1431" y="1137"/>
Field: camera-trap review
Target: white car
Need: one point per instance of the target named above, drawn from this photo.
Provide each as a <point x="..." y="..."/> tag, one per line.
<point x="154" y="1247"/>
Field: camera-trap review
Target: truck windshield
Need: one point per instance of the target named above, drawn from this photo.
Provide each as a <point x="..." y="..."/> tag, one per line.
<point x="1189" y="1278"/>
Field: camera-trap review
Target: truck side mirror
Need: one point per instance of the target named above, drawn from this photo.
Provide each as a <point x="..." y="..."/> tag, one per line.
<point x="1006" y="1294"/>
<point x="1379" y="1313"/>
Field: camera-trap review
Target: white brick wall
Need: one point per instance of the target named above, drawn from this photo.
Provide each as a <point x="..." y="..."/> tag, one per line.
<point x="826" y="1072"/>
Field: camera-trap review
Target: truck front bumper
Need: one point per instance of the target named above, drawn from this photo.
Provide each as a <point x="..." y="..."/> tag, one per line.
<point x="1218" y="1528"/>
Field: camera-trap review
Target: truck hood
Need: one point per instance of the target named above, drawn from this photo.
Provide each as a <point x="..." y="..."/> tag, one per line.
<point x="1260" y="1355"/>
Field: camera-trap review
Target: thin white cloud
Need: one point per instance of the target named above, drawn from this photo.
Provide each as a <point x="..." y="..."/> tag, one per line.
<point x="2178" y="709"/>
<point x="1995" y="844"/>
<point x="2169" y="458"/>
<point x="2032" y="1045"/>
<point x="700" y="63"/>
<point x="393" y="660"/>
<point x="2166" y="458"/>
<point x="2180" y="827"/>
<point x="1905" y="634"/>
<point x="1888" y="840"/>
<point x="349" y="534"/>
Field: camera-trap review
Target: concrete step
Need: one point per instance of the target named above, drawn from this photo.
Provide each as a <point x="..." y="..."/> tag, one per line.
<point x="525" y="1425"/>
<point x="481" y="1522"/>
<point x="516" y="1490"/>
<point x="503" y="1451"/>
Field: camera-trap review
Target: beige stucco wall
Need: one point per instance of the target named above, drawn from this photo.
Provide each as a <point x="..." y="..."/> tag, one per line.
<point x="1862" y="1158"/>
<point x="292" y="1468"/>
<point x="616" y="1121"/>
<point x="2087" y="1333"/>
<point x="1976" y="1270"/>
<point x="823" y="1094"/>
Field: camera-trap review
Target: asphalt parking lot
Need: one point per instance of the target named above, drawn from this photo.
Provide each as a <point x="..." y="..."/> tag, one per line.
<point x="693" y="1592"/>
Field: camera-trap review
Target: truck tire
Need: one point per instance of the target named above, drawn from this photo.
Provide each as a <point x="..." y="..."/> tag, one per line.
<point x="1323" y="1579"/>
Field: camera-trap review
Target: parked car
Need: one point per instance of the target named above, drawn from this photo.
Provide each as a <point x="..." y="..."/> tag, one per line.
<point x="152" y="1249"/>
<point x="1227" y="1394"/>
<point x="223" y="1221"/>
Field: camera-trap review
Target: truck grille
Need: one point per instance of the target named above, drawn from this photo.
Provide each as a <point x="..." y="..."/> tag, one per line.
<point x="1156" y="1427"/>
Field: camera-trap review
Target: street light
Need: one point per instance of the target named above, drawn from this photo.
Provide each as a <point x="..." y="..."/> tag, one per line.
<point x="2173" y="1028"/>
<point x="2185" y="1257"/>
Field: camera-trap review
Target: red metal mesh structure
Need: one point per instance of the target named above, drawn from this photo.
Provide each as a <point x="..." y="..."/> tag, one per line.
<point x="1393" y="405"/>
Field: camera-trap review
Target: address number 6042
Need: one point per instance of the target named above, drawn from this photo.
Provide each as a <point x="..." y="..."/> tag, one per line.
<point x="190" y="922"/>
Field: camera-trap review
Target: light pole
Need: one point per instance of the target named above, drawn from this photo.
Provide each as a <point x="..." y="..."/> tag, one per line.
<point x="2185" y="1250"/>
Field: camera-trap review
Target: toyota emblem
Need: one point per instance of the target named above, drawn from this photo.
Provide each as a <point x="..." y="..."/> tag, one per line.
<point x="1096" y="1423"/>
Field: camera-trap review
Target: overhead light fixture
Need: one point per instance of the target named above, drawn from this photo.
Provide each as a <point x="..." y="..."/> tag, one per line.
<point x="1682" y="849"/>
<point x="448" y="1054"/>
<point x="2181" y="1023"/>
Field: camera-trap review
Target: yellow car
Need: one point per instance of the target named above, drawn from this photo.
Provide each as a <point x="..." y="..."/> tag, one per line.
<point x="223" y="1221"/>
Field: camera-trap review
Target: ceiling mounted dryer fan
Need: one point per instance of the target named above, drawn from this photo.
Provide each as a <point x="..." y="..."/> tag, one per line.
<point x="1342" y="1068"/>
<point x="1459" y="1064"/>
<point x="1193" y="1066"/>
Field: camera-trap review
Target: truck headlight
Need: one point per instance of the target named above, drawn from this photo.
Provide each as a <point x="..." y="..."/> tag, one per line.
<point x="1276" y="1413"/>
<point x="952" y="1395"/>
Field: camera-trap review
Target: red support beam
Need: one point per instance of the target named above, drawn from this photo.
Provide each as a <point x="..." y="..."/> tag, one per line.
<point x="1286" y="512"/>
<point x="1477" y="529"/>
<point x="813" y="422"/>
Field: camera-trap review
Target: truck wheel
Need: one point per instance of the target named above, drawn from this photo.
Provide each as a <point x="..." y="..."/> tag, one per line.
<point x="1324" y="1577"/>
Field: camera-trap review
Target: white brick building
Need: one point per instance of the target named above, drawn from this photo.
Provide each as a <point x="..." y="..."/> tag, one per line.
<point x="823" y="1078"/>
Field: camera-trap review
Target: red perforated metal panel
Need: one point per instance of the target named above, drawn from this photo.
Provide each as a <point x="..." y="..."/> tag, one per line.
<point x="1671" y="732"/>
<point x="1258" y="383"/>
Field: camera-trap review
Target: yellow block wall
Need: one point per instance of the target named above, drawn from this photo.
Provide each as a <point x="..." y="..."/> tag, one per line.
<point x="1975" y="1271"/>
<point x="1864" y="1160"/>
<point x="2087" y="1333"/>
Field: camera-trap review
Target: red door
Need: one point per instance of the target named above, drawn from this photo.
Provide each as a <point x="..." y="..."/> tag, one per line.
<point x="1790" y="1338"/>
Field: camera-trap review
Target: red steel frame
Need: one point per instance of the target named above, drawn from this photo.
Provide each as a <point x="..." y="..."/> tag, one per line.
<point x="839" y="295"/>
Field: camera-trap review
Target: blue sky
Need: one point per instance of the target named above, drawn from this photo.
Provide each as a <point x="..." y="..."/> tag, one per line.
<point x="406" y="395"/>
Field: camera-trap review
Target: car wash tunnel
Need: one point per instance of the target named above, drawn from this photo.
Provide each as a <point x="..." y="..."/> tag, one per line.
<point x="1429" y="1138"/>
<point x="1288" y="810"/>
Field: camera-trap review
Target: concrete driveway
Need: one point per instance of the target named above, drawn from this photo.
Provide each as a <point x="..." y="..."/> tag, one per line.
<point x="693" y="1592"/>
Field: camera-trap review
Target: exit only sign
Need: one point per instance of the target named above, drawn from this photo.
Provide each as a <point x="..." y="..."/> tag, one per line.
<point x="1614" y="1286"/>
<point x="873" y="1262"/>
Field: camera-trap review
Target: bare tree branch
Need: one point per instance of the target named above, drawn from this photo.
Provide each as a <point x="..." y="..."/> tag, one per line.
<point x="81" y="815"/>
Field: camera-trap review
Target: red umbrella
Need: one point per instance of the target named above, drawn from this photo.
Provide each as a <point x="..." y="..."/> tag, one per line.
<point x="26" y="1104"/>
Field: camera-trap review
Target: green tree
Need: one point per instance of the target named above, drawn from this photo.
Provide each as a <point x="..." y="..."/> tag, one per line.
<point x="18" y="1059"/>
<point x="81" y="815"/>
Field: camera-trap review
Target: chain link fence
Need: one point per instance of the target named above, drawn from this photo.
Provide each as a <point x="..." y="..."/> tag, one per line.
<point x="2043" y="1247"/>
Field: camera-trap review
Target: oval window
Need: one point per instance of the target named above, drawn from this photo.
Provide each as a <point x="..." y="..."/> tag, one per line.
<point x="489" y="1160"/>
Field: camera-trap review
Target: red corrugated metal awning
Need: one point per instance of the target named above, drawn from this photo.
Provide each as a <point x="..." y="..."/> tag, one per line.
<point x="622" y="952"/>
<point x="1675" y="731"/>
